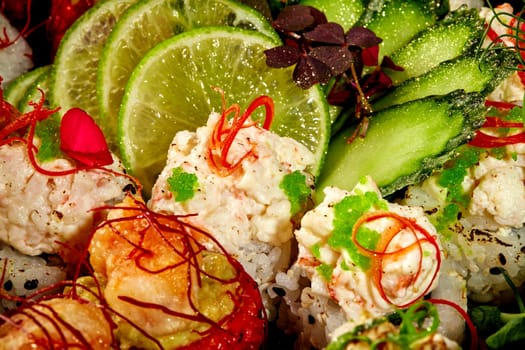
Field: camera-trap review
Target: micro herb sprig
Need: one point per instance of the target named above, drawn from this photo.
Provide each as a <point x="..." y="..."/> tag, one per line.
<point x="514" y="35"/>
<point x="416" y="322"/>
<point x="323" y="53"/>
<point x="501" y="328"/>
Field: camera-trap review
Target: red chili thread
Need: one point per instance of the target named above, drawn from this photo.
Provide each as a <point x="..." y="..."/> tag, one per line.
<point x="472" y="328"/>
<point x="5" y="41"/>
<point x="484" y="140"/>
<point x="244" y="328"/>
<point x="378" y="255"/>
<point x="225" y="133"/>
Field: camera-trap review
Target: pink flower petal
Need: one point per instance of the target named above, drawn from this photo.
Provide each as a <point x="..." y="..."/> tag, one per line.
<point x="82" y="139"/>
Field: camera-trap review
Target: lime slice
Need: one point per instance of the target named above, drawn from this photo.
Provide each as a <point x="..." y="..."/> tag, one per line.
<point x="18" y="88"/>
<point x="34" y="92"/>
<point x="147" y="23"/>
<point x="171" y="90"/>
<point x="74" y="73"/>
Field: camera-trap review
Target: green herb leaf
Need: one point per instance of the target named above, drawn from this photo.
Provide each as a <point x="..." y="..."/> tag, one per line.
<point x="48" y="131"/>
<point x="512" y="331"/>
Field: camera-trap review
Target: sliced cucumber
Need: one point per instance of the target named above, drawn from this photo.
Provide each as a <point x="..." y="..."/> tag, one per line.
<point x="344" y="12"/>
<point x="458" y="33"/>
<point x="468" y="73"/>
<point x="398" y="21"/>
<point x="403" y="144"/>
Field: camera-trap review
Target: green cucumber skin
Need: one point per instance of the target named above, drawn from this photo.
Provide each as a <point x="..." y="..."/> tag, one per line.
<point x="398" y="21"/>
<point x="468" y="73"/>
<point x="459" y="33"/>
<point x="403" y="144"/>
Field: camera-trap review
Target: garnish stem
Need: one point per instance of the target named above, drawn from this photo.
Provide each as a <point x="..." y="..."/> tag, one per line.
<point x="365" y="105"/>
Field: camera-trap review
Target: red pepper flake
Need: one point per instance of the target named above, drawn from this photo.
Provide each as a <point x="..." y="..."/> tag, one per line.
<point x="82" y="139"/>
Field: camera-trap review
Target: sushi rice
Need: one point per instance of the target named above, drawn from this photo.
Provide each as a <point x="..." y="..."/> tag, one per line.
<point x="15" y="59"/>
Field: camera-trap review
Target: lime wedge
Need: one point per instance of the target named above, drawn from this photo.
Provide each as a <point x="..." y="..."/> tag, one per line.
<point x="18" y="88"/>
<point x="74" y="72"/>
<point x="171" y="90"/>
<point x="147" y="23"/>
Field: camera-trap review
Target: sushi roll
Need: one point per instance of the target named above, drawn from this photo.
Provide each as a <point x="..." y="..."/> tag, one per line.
<point x="246" y="185"/>
<point x="23" y="276"/>
<point x="360" y="258"/>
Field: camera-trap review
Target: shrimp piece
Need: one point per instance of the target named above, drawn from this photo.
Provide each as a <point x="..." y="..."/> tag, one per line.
<point x="167" y="289"/>
<point x="58" y="323"/>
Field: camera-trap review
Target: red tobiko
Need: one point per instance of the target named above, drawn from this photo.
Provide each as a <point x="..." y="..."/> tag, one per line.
<point x="82" y="139"/>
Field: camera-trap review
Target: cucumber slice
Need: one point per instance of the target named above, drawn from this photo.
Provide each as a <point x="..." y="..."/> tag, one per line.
<point x="468" y="73"/>
<point x="457" y="34"/>
<point x="344" y="12"/>
<point x="403" y="144"/>
<point x="398" y="21"/>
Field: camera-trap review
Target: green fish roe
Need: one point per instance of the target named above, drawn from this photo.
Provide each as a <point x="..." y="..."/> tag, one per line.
<point x="296" y="189"/>
<point x="347" y="212"/>
<point x="325" y="271"/>
<point x="452" y="177"/>
<point x="182" y="184"/>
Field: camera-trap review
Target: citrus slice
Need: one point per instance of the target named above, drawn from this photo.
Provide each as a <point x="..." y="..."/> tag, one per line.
<point x="34" y="91"/>
<point x="18" y="88"/>
<point x="171" y="90"/>
<point x="74" y="72"/>
<point x="147" y="23"/>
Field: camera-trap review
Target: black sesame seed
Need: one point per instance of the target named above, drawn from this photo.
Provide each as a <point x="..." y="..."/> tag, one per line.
<point x="31" y="284"/>
<point x="311" y="319"/>
<point x="279" y="291"/>
<point x="495" y="270"/>
<point x="8" y="285"/>
<point x="502" y="259"/>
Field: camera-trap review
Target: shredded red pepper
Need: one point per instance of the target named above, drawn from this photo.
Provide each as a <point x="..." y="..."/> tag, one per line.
<point x="5" y="41"/>
<point x="81" y="139"/>
<point x="381" y="254"/>
<point x="472" y="329"/>
<point x="484" y="140"/>
<point x="226" y="131"/>
<point x="499" y="104"/>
